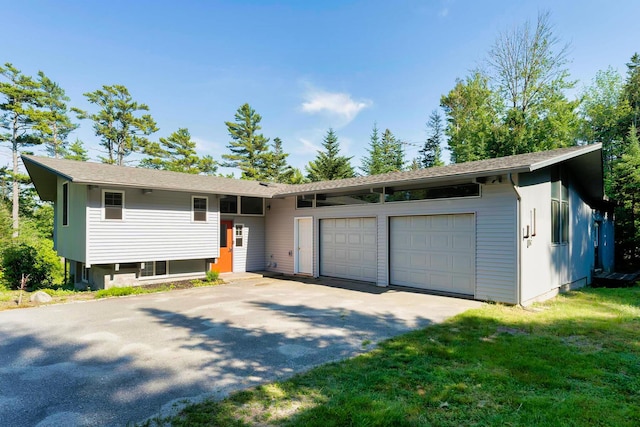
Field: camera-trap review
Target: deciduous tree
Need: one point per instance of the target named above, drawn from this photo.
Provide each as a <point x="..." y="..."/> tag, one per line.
<point x="122" y="130"/>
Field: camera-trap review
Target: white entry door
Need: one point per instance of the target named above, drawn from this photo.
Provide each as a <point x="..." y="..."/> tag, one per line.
<point x="435" y="252"/>
<point x="304" y="245"/>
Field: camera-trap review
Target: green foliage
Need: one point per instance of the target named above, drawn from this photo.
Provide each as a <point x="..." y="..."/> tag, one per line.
<point x="249" y="149"/>
<point x="76" y="151"/>
<point x="119" y="292"/>
<point x="19" y="114"/>
<point x="385" y="154"/>
<point x="631" y="92"/>
<point x="329" y="164"/>
<point x="54" y="125"/>
<point x="177" y="153"/>
<point x="277" y="168"/>
<point x="431" y="153"/>
<point x="212" y="276"/>
<point x="120" y="129"/>
<point x="40" y="262"/>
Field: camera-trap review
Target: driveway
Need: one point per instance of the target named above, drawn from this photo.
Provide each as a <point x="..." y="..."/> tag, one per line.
<point x="122" y="360"/>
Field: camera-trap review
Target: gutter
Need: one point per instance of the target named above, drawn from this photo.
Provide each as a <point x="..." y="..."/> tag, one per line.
<point x="518" y="250"/>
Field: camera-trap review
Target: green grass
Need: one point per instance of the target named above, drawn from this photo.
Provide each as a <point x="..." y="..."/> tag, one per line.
<point x="131" y="290"/>
<point x="573" y="361"/>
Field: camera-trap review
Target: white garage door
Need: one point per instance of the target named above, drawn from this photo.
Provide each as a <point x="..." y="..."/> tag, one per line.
<point x="348" y="248"/>
<point x="435" y="252"/>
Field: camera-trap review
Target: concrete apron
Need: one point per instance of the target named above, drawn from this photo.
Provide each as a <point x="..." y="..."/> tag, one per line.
<point x="122" y="360"/>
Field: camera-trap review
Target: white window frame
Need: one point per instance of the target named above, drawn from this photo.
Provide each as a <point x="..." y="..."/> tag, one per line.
<point x="84" y="273"/>
<point x="65" y="206"/>
<point x="104" y="192"/>
<point x="236" y="227"/>
<point x="206" y="211"/>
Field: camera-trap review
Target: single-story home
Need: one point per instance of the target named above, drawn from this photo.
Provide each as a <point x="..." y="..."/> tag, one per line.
<point x="514" y="229"/>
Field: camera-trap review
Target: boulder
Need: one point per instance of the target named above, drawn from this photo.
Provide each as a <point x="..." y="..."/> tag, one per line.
<point x="40" y="297"/>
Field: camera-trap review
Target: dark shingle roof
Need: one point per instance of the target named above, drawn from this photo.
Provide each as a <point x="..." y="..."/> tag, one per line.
<point x="41" y="168"/>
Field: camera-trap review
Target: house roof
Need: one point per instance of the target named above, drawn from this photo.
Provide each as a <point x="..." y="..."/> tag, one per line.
<point x="585" y="160"/>
<point x="584" y="156"/>
<point x="42" y="170"/>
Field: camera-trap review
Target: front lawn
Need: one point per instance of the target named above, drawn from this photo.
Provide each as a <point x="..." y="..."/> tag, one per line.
<point x="573" y="361"/>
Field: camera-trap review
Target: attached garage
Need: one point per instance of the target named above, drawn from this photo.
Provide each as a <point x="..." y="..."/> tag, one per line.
<point x="348" y="248"/>
<point x="434" y="252"/>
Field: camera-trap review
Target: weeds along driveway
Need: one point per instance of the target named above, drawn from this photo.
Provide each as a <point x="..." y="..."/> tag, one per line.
<point x="122" y="360"/>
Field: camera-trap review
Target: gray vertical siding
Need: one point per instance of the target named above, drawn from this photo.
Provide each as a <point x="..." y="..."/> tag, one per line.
<point x="156" y="226"/>
<point x="495" y="211"/>
<point x="71" y="240"/>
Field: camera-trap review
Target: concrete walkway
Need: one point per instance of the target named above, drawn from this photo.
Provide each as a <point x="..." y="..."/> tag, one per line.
<point x="122" y="360"/>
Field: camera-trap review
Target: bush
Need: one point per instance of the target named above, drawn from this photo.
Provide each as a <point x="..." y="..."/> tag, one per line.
<point x="41" y="263"/>
<point x="212" y="276"/>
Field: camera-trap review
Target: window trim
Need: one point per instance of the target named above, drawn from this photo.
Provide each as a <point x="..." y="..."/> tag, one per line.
<point x="104" y="192"/>
<point x="84" y="273"/>
<point x="238" y="211"/>
<point x="206" y="210"/>
<point x="154" y="275"/>
<point x="236" y="227"/>
<point x="563" y="207"/>
<point x="65" y="204"/>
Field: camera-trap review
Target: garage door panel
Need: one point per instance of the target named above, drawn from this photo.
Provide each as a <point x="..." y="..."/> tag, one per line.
<point x="349" y="248"/>
<point x="434" y="252"/>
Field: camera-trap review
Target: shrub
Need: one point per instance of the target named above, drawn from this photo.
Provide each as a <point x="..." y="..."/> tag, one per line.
<point x="41" y="263"/>
<point x="212" y="276"/>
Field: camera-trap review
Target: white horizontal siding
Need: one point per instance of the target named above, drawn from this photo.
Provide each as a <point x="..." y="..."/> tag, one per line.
<point x="156" y="226"/>
<point x="495" y="210"/>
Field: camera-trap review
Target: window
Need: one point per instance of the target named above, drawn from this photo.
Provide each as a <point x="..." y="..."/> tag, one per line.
<point x="199" y="205"/>
<point x="342" y="199"/>
<point x="84" y="273"/>
<point x="305" y="201"/>
<point x="153" y="268"/>
<point x="239" y="235"/>
<point x="449" y="191"/>
<point x="113" y="202"/>
<point x="223" y="234"/>
<point x="229" y="204"/>
<point x="559" y="208"/>
<point x="251" y="205"/>
<point x="65" y="203"/>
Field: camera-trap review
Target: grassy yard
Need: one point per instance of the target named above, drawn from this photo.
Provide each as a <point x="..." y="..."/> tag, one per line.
<point x="573" y="361"/>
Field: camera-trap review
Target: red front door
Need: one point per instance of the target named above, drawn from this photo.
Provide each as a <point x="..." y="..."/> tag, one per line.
<point x="225" y="262"/>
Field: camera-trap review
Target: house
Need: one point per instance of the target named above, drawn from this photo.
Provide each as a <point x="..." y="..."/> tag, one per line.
<point x="514" y="229"/>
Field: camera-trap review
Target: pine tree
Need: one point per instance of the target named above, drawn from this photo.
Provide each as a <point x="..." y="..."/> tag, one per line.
<point x="76" y="151"/>
<point x="249" y="149"/>
<point x="430" y="155"/>
<point x="55" y="124"/>
<point x="178" y="153"/>
<point x="391" y="153"/>
<point x="371" y="163"/>
<point x="277" y="167"/>
<point x="19" y="115"/>
<point x="117" y="124"/>
<point x="329" y="164"/>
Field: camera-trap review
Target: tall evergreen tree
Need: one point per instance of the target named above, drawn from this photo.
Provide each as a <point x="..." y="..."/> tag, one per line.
<point x="431" y="153"/>
<point x="121" y="130"/>
<point x="19" y="115"/>
<point x="76" y="151"/>
<point x="329" y="164"/>
<point x="386" y="154"/>
<point x="371" y="162"/>
<point x="178" y="153"/>
<point x="631" y="91"/>
<point x="277" y="167"/>
<point x="249" y="149"/>
<point x="55" y="124"/>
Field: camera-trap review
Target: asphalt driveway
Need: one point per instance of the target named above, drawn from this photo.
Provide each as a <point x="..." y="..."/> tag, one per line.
<point x="122" y="360"/>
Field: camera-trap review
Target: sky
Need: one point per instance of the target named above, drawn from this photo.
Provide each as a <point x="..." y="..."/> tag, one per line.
<point x="304" y="66"/>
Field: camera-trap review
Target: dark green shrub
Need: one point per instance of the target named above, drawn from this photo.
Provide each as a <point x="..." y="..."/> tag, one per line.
<point x="41" y="264"/>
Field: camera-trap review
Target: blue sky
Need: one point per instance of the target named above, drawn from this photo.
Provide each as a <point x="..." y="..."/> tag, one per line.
<point x="304" y="66"/>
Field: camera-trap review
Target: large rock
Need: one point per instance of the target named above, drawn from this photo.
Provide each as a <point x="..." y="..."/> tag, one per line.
<point x="40" y="297"/>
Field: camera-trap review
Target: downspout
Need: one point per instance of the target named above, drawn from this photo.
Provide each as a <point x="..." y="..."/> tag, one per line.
<point x="518" y="251"/>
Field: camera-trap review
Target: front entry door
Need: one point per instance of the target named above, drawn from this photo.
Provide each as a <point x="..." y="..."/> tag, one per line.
<point x="304" y="246"/>
<point x="225" y="262"/>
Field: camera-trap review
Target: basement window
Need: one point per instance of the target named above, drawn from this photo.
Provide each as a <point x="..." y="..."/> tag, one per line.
<point x="153" y="268"/>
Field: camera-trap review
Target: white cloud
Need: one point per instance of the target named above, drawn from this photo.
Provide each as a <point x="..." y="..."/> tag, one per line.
<point x="204" y="147"/>
<point x="307" y="147"/>
<point x="338" y="104"/>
